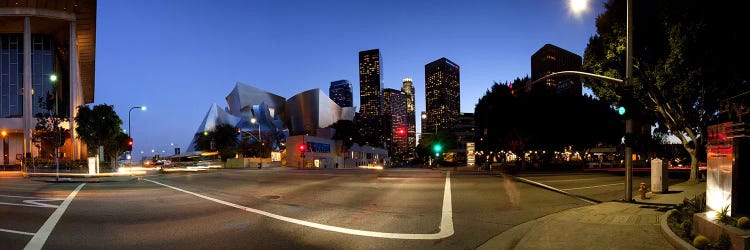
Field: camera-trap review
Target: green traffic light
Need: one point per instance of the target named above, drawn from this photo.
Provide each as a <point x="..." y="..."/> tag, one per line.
<point x="621" y="110"/>
<point x="437" y="148"/>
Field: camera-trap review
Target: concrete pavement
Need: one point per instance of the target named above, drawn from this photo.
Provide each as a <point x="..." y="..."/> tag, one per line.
<point x="608" y="225"/>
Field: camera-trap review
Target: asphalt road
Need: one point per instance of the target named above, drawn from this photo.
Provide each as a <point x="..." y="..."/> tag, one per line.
<point x="286" y="209"/>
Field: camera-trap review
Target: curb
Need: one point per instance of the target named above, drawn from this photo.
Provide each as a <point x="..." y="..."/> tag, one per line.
<point x="673" y="239"/>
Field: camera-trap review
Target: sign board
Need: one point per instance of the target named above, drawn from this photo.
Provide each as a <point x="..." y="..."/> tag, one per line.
<point x="719" y="177"/>
<point x="275" y="156"/>
<point x="720" y="160"/>
<point x="470" y="154"/>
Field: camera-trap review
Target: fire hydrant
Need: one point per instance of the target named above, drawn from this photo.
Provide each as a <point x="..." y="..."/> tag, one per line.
<point x="642" y="190"/>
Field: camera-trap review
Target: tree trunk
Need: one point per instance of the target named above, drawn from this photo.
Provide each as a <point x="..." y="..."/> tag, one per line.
<point x="693" y="166"/>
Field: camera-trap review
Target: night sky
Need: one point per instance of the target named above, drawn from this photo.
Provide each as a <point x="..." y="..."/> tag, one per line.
<point x="179" y="57"/>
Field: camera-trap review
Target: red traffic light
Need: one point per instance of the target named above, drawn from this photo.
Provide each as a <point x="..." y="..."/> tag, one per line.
<point x="301" y="147"/>
<point x="129" y="143"/>
<point x="401" y="131"/>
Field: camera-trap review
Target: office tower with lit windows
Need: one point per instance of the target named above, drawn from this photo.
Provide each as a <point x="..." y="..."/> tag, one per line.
<point x="550" y="59"/>
<point x="442" y="94"/>
<point x="411" y="124"/>
<point x="341" y="93"/>
<point x="395" y="114"/>
<point x="370" y="82"/>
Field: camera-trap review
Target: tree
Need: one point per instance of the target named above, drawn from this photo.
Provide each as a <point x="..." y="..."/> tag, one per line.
<point x="223" y="138"/>
<point x="542" y="120"/>
<point x="48" y="131"/>
<point x="348" y="132"/>
<point x="683" y="67"/>
<point x="444" y="137"/>
<point x="100" y="126"/>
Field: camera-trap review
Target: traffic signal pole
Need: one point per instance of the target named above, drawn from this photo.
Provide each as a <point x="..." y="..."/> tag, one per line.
<point x="629" y="120"/>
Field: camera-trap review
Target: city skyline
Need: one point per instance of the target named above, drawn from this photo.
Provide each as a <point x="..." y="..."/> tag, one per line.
<point x="306" y="49"/>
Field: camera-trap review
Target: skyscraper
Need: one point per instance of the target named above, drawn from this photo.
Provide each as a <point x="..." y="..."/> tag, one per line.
<point x="408" y="89"/>
<point x="442" y="94"/>
<point x="550" y="59"/>
<point x="370" y="82"/>
<point x="394" y="112"/>
<point x="341" y="93"/>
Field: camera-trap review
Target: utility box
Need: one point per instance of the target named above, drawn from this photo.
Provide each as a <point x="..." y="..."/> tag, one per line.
<point x="659" y="176"/>
<point x="728" y="168"/>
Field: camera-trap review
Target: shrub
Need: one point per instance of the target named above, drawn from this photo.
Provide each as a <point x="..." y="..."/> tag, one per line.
<point x="742" y="222"/>
<point x="700" y="242"/>
<point x="724" y="217"/>
<point x="687" y="227"/>
<point x="724" y="242"/>
<point x="695" y="205"/>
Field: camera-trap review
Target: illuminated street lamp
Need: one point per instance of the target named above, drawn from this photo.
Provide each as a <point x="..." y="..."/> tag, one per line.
<point x="143" y="108"/>
<point x="260" y="140"/>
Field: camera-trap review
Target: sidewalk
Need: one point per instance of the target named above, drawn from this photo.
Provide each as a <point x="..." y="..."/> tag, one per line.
<point x="609" y="225"/>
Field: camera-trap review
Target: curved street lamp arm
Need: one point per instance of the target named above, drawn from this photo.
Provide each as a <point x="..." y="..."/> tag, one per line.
<point x="579" y="73"/>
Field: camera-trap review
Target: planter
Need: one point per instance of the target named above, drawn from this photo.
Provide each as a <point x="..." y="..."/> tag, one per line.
<point x="712" y="229"/>
<point x="673" y="239"/>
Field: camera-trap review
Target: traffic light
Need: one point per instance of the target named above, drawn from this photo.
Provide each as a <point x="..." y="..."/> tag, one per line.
<point x="401" y="131"/>
<point x="301" y="147"/>
<point x="129" y="144"/>
<point x="437" y="148"/>
<point x="625" y="105"/>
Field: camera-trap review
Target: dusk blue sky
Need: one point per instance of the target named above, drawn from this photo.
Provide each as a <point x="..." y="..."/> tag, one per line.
<point x="179" y="57"/>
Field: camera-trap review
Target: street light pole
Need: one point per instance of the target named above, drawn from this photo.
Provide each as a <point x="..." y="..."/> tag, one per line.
<point x="629" y="120"/>
<point x="143" y="108"/>
<point x="260" y="140"/>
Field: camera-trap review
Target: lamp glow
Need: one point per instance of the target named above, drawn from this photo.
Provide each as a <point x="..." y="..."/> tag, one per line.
<point x="578" y="6"/>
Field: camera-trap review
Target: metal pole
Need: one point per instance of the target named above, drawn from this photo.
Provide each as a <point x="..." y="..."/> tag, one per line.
<point x="57" y="140"/>
<point x="629" y="121"/>
<point x="261" y="146"/>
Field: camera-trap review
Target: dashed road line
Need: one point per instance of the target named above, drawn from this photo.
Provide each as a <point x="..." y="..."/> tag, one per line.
<point x="446" y="219"/>
<point x="37" y="242"/>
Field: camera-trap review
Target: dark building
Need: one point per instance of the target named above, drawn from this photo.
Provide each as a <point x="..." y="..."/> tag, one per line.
<point x="394" y="112"/>
<point x="550" y="59"/>
<point x="411" y="123"/>
<point x="465" y="129"/>
<point x="442" y="94"/>
<point x="370" y="82"/>
<point x="341" y="93"/>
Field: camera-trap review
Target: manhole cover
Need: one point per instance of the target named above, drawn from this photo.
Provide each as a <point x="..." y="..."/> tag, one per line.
<point x="271" y="197"/>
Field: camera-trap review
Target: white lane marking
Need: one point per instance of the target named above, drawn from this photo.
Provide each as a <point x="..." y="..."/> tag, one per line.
<point x="40" y="204"/>
<point x="553" y="188"/>
<point x="29" y="205"/>
<point x="37" y="242"/>
<point x="586" y="179"/>
<point x="15" y="232"/>
<point x="446" y="220"/>
<point x="568" y="189"/>
<point x="31" y="197"/>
